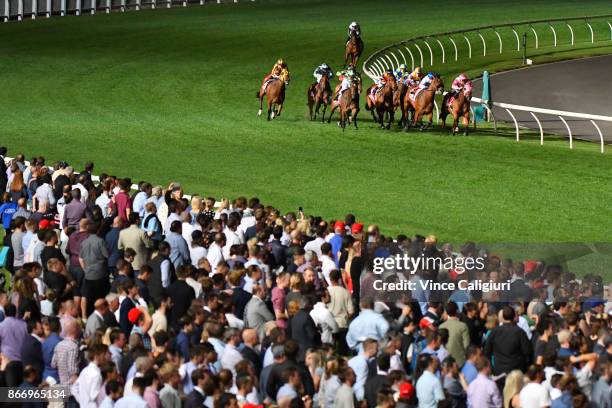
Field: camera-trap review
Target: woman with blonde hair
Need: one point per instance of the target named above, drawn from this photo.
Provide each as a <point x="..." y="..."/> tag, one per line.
<point x="512" y="389"/>
<point x="314" y="362"/>
<point x="197" y="206"/>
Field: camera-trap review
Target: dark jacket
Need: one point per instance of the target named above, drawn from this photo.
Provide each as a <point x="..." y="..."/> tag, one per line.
<point x="31" y="354"/>
<point x="275" y="379"/>
<point x="182" y="295"/>
<point x="254" y="357"/>
<point x="194" y="399"/>
<point x="240" y="298"/>
<point x="303" y="330"/>
<point x="372" y="386"/>
<point x="509" y="347"/>
<point x="154" y="284"/>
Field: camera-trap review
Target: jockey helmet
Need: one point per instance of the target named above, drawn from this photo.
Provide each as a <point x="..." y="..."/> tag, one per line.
<point x="280" y="61"/>
<point x="430" y="75"/>
<point x="462" y="77"/>
<point x="353" y="24"/>
<point x="403" y="67"/>
<point x="324" y="66"/>
<point x="418" y="70"/>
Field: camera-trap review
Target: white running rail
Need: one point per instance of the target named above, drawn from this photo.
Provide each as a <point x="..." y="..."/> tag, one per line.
<point x="562" y="115"/>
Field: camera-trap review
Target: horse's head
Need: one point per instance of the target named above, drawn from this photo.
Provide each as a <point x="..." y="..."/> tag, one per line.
<point x="437" y="84"/>
<point x="284" y="76"/>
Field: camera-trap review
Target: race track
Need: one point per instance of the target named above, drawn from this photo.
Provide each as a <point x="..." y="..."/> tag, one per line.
<point x="581" y="85"/>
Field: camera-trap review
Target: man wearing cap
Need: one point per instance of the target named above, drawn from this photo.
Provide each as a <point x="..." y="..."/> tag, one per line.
<point x="336" y="240"/>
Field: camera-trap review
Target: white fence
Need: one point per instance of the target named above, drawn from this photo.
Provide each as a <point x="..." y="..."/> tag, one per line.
<point x="562" y="115"/>
<point x="20" y="9"/>
<point x="441" y="48"/>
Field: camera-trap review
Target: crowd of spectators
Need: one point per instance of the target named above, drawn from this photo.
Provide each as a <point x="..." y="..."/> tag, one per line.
<point x="144" y="298"/>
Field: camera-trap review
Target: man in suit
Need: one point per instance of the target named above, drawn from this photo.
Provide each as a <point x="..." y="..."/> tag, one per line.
<point x="181" y="295"/>
<point x="240" y="297"/>
<point x="250" y="340"/>
<point x="196" y="397"/>
<point x="128" y="304"/>
<point x="95" y="321"/>
<point x="137" y="239"/>
<point x="303" y="329"/>
<point x="256" y="313"/>
<point x="508" y="345"/>
<point x="378" y="381"/>
<point x="31" y="348"/>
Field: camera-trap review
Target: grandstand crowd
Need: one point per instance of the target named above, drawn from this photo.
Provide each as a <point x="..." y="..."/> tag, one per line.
<point x="148" y="299"/>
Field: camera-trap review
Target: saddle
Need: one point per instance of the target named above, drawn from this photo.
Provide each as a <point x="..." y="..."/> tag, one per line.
<point x="414" y="92"/>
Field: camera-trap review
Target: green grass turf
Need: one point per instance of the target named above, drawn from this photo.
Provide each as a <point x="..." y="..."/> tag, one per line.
<point x="169" y="94"/>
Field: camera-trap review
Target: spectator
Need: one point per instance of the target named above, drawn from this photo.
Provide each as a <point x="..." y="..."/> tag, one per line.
<point x="508" y="345"/>
<point x="482" y="392"/>
<point x="137" y="239"/>
<point x="369" y="324"/>
<point x="93" y="258"/>
<point x="534" y="394"/>
<point x="66" y="357"/>
<point x="459" y="336"/>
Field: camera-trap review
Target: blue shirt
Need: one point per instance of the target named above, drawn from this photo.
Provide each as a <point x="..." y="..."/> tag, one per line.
<point x="112" y="244"/>
<point x="336" y="244"/>
<point x="7" y="210"/>
<point x="469" y="371"/>
<point x="179" y="252"/>
<point x="48" y="347"/>
<point x="368" y="324"/>
<point x="429" y="390"/>
<point x="359" y="364"/>
<point x="182" y="344"/>
<point x="139" y="203"/>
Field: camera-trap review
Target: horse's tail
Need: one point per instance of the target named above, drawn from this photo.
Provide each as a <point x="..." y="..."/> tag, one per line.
<point x="257" y="94"/>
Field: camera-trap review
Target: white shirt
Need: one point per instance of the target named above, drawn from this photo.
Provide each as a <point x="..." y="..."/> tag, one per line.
<point x="87" y="386"/>
<point x="231" y="356"/>
<point x="197" y="286"/>
<point x="131" y="401"/>
<point x="327" y="265"/>
<point x="197" y="253"/>
<point x="84" y="192"/>
<point x="171" y="218"/>
<point x="534" y="395"/>
<point x="103" y="202"/>
<point x="187" y="230"/>
<point x="315" y="246"/>
<point x="231" y="238"/>
<point x="325" y="320"/>
<point x="214" y="256"/>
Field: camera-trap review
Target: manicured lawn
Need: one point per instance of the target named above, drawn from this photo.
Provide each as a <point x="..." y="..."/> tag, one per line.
<point x="169" y="94"/>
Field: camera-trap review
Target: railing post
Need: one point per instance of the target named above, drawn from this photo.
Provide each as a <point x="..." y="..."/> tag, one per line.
<point x="610" y="25"/>
<point x="484" y="45"/>
<point x="403" y="56"/>
<point x="569" y="132"/>
<point x="78" y="7"/>
<point x="420" y="52"/>
<point x="539" y="126"/>
<point x="19" y="10"/>
<point x="500" y="41"/>
<point x="34" y="9"/>
<point x="454" y="46"/>
<point x="442" y="48"/>
<point x="601" y="140"/>
<point x="518" y="41"/>
<point x="411" y="56"/>
<point x="108" y="6"/>
<point x="554" y="33"/>
<point x="571" y="31"/>
<point x="469" y="46"/>
<point x="515" y="123"/>
<point x="48" y="11"/>
<point x="63" y="8"/>
<point x="535" y="33"/>
<point x="431" y="59"/>
<point x="395" y="58"/>
<point x="592" y="33"/>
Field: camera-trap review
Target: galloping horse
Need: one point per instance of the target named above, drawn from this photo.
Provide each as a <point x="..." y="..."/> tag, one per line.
<point x="383" y="101"/>
<point x="423" y="103"/>
<point x="319" y="94"/>
<point x="274" y="89"/>
<point x="398" y="100"/>
<point x="354" y="48"/>
<point x="459" y="107"/>
<point x="348" y="104"/>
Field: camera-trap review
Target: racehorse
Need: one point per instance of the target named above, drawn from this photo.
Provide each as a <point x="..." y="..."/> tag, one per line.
<point x="398" y="98"/>
<point x="348" y="104"/>
<point x="423" y="103"/>
<point x="459" y="107"/>
<point x="354" y="48"/>
<point x="274" y="89"/>
<point x="383" y="101"/>
<point x="319" y="94"/>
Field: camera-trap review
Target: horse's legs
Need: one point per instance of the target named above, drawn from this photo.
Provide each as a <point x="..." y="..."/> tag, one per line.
<point x="260" y="103"/>
<point x="279" y="109"/>
<point x="466" y="122"/>
<point x="323" y="114"/>
<point x="355" y="112"/>
<point x="430" y="115"/>
<point x="381" y="117"/>
<point x="455" y="123"/>
<point x="270" y="111"/>
<point x="391" y="118"/>
<point x="331" y="113"/>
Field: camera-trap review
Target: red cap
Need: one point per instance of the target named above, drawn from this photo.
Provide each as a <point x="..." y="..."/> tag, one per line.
<point x="249" y="405"/>
<point x="44" y="224"/>
<point x="339" y="225"/>
<point x="530" y="266"/>
<point x="426" y="323"/>
<point x="134" y="315"/>
<point x="406" y="390"/>
<point x="356" y="228"/>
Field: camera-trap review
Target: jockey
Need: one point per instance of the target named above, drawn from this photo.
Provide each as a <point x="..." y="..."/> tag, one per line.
<point x="321" y="71"/>
<point x="346" y="77"/>
<point x="415" y="76"/>
<point x="426" y="81"/>
<point x="354" y="28"/>
<point x="278" y="68"/>
<point x="461" y="82"/>
<point x="401" y="72"/>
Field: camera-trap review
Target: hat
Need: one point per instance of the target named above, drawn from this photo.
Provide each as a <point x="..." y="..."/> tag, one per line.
<point x="530" y="266"/>
<point x="44" y="224"/>
<point x="593" y="303"/>
<point x="406" y="390"/>
<point x="426" y="323"/>
<point x="134" y="315"/>
<point x="356" y="228"/>
<point x="249" y="405"/>
<point x="339" y="225"/>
